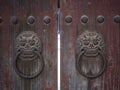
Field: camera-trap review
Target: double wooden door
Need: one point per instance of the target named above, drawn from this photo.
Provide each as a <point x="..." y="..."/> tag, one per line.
<point x="89" y="44"/>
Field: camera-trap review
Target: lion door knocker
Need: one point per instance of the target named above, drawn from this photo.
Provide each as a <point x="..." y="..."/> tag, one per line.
<point x="90" y="54"/>
<point x="28" y="61"/>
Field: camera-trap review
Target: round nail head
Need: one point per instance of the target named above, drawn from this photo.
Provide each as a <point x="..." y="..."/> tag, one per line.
<point x="68" y="19"/>
<point x="117" y="19"/>
<point x="100" y="19"/>
<point x="84" y="19"/>
<point x="47" y="20"/>
<point x="14" y="20"/>
<point x="1" y="20"/>
<point x="31" y="20"/>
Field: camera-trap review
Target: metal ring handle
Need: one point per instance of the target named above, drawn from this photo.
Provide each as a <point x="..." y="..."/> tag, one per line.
<point x="26" y="75"/>
<point x="99" y="73"/>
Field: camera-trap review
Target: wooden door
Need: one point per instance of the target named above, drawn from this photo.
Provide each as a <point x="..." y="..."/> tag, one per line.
<point x="90" y="44"/>
<point x="28" y="44"/>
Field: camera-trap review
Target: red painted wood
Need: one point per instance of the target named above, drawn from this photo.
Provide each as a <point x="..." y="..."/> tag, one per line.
<point x="9" y="79"/>
<point x="70" y="78"/>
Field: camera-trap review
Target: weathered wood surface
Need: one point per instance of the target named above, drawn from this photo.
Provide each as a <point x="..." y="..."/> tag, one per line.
<point x="9" y="80"/>
<point x="70" y="78"/>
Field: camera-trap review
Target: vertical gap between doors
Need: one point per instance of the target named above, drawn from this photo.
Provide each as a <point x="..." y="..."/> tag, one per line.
<point x="58" y="49"/>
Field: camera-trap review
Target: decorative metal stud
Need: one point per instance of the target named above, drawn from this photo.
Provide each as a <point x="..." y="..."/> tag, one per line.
<point x="117" y="19"/>
<point x="28" y="62"/>
<point x="90" y="54"/>
<point x="68" y="19"/>
<point x="47" y="20"/>
<point x="1" y="20"/>
<point x="31" y="20"/>
<point x="14" y="20"/>
<point x="84" y="19"/>
<point x="100" y="19"/>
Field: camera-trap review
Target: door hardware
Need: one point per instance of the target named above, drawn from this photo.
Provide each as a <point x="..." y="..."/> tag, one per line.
<point x="14" y="20"/>
<point x="90" y="54"/>
<point x="31" y="20"/>
<point x="84" y="19"/>
<point x="47" y="20"/>
<point x="100" y="19"/>
<point x="1" y="20"/>
<point x="68" y="19"/>
<point x="117" y="19"/>
<point x="28" y="61"/>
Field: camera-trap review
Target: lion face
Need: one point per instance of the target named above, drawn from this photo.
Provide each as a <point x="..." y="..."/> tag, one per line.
<point x="28" y="61"/>
<point x="91" y="43"/>
<point x="28" y="40"/>
<point x="90" y="58"/>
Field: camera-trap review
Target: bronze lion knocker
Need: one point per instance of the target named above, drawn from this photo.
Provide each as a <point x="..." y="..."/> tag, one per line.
<point x="90" y="54"/>
<point x="28" y="61"/>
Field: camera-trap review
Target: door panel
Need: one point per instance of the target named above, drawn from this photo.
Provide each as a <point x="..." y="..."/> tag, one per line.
<point x="93" y="17"/>
<point x="30" y="20"/>
<point x="28" y="45"/>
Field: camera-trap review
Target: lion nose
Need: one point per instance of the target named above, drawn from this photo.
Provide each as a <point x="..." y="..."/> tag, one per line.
<point x="27" y="46"/>
<point x="91" y="45"/>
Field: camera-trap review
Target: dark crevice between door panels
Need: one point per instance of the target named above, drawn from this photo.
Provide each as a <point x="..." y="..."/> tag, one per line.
<point x="58" y="4"/>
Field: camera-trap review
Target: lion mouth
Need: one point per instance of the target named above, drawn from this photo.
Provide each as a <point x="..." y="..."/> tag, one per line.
<point x="91" y="52"/>
<point x="27" y="55"/>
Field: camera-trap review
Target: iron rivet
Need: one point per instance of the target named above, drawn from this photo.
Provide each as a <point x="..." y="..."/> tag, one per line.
<point x="1" y="20"/>
<point x="31" y="20"/>
<point x="47" y="20"/>
<point x="84" y="19"/>
<point x="117" y="19"/>
<point x="68" y="19"/>
<point x="100" y="19"/>
<point x="14" y="20"/>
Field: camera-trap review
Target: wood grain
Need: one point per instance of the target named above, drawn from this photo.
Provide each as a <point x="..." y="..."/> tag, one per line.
<point x="70" y="78"/>
<point x="9" y="80"/>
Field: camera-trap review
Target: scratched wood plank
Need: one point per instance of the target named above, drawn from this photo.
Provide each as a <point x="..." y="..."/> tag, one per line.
<point x="70" y="77"/>
<point x="9" y="79"/>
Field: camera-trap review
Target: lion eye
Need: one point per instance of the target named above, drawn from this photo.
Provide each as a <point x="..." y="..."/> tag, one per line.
<point x="86" y="42"/>
<point x="32" y="42"/>
<point x="22" y="42"/>
<point x="95" y="42"/>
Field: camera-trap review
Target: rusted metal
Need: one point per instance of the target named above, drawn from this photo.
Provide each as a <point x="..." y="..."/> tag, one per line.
<point x="90" y="54"/>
